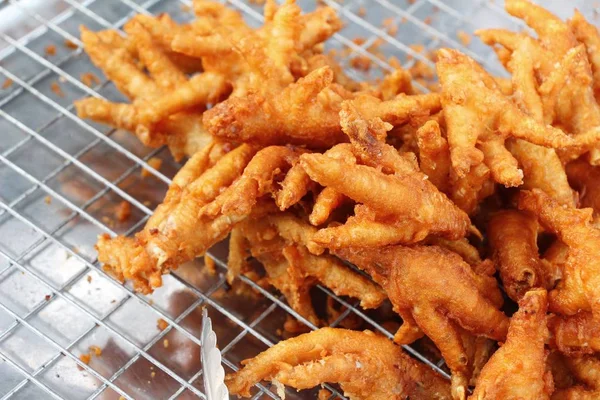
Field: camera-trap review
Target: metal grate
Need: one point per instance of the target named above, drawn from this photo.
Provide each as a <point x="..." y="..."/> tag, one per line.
<point x="61" y="177"/>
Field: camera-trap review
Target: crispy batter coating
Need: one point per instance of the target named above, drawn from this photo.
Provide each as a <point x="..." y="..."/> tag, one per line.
<point x="585" y="178"/>
<point x="377" y="221"/>
<point x="366" y="366"/>
<point x="434" y="309"/>
<point x="259" y="178"/>
<point x="575" y="334"/>
<point x="479" y="118"/>
<point x="327" y="200"/>
<point x="281" y="243"/>
<point x="579" y="289"/>
<point x="518" y="369"/>
<point x="176" y="232"/>
<point x="434" y="160"/>
<point x="586" y="370"/>
<point x="512" y="236"/>
<point x="588" y="34"/>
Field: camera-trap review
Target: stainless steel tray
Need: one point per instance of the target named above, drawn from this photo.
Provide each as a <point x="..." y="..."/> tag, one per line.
<point x="61" y="178"/>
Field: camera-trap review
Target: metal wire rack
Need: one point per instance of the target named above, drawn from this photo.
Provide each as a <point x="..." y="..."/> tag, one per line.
<point x="61" y="178"/>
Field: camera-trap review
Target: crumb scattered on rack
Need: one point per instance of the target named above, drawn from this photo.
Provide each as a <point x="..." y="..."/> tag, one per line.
<point x="324" y="394"/>
<point x="122" y="398"/>
<point x="47" y="199"/>
<point x="85" y="358"/>
<point x="123" y="211"/>
<point x="155" y="163"/>
<point x="108" y="221"/>
<point x="362" y="11"/>
<point x="50" y="50"/>
<point x="152" y="374"/>
<point x="464" y="37"/>
<point x="162" y="324"/>
<point x="55" y="87"/>
<point x="210" y="264"/>
<point x="166" y="343"/>
<point x="361" y="63"/>
<point x="7" y="83"/>
<point x="70" y="44"/>
<point x="147" y="203"/>
<point x="390" y="25"/>
<point x="47" y="297"/>
<point x="427" y="20"/>
<point x="150" y="301"/>
<point x="89" y="79"/>
<point x="89" y="278"/>
<point x="186" y="8"/>
<point x="96" y="350"/>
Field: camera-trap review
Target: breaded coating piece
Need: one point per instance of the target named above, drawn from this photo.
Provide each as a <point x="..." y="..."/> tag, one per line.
<point x="512" y="236"/>
<point x="437" y="311"/>
<point x="579" y="288"/>
<point x="578" y="334"/>
<point x="378" y="221"/>
<point x="518" y="369"/>
<point x="585" y="178"/>
<point x="176" y="233"/>
<point x="434" y="160"/>
<point x="366" y="366"/>
<point x="479" y="118"/>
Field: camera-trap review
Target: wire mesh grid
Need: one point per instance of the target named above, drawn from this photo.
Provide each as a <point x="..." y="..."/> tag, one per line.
<point x="61" y="179"/>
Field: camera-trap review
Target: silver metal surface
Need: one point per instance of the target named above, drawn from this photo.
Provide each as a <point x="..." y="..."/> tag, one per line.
<point x="61" y="179"/>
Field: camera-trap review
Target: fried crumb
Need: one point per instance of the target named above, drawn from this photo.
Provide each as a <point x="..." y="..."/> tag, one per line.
<point x="85" y="358"/>
<point x="113" y="301"/>
<point x="122" y="398"/>
<point x="155" y="163"/>
<point x="123" y="211"/>
<point x="324" y="394"/>
<point x="96" y="350"/>
<point x="166" y="343"/>
<point x="70" y="44"/>
<point x="55" y="87"/>
<point x="162" y="324"/>
<point x="258" y="2"/>
<point x="210" y="264"/>
<point x="152" y="374"/>
<point x="47" y="297"/>
<point x="89" y="79"/>
<point x="464" y="37"/>
<point x="7" y="83"/>
<point x="361" y="63"/>
<point x="428" y="20"/>
<point x="362" y="11"/>
<point x="108" y="222"/>
<point x="50" y="50"/>
<point x="394" y="62"/>
<point x="411" y="1"/>
<point x="147" y="203"/>
<point x="89" y="278"/>
<point x="186" y="8"/>
<point x="47" y="199"/>
<point x="150" y="302"/>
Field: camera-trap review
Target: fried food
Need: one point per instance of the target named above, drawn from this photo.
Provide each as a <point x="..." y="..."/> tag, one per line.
<point x="479" y="118"/>
<point x="586" y="370"/>
<point x="562" y="71"/>
<point x="281" y="243"/>
<point x="518" y="369"/>
<point x="585" y="178"/>
<point x="577" y="334"/>
<point x="365" y="365"/>
<point x="434" y="159"/>
<point x="579" y="288"/>
<point x="378" y="222"/>
<point x="173" y="234"/>
<point x="513" y="239"/>
<point x="472" y="304"/>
